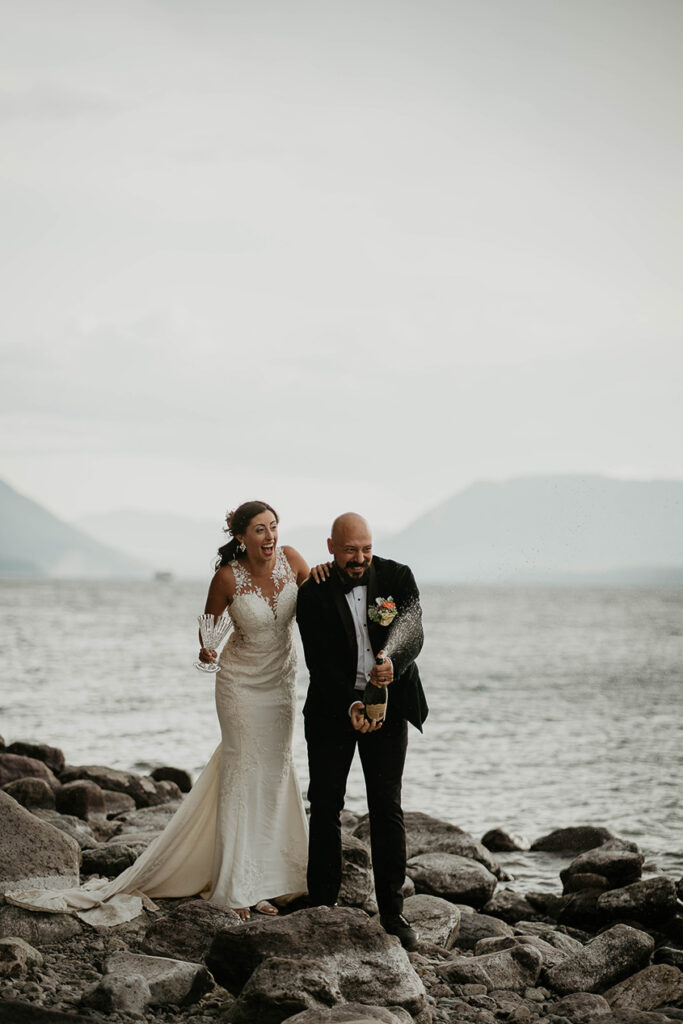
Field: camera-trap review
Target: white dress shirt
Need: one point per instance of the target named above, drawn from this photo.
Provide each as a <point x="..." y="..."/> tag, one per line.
<point x="357" y="600"/>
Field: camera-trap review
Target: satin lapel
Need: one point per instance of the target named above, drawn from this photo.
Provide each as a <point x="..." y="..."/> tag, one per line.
<point x="345" y="613"/>
<point x="375" y="631"/>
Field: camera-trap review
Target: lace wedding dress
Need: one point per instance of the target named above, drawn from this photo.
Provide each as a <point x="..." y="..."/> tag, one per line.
<point x="240" y="835"/>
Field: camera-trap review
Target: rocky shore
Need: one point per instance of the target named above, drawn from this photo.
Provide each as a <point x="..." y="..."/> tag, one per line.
<point x="608" y="944"/>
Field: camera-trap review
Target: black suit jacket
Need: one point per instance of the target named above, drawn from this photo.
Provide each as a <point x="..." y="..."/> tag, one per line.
<point x="331" y="650"/>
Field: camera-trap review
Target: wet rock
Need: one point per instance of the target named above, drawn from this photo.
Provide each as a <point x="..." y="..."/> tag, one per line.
<point x="581" y="1007"/>
<point x="19" y="1012"/>
<point x="181" y="778"/>
<point x="585" y="880"/>
<point x="497" y="840"/>
<point x="353" y="953"/>
<point x="606" y="959"/>
<point x="646" y="990"/>
<point x="117" y="803"/>
<point x="188" y="931"/>
<point x="357" y="878"/>
<point x="617" y="860"/>
<point x="33" y="854"/>
<point x="110" y="859"/>
<point x="573" y="840"/>
<point x="517" y="968"/>
<point x="474" y="927"/>
<point x="16" y="766"/>
<point x="459" y="879"/>
<point x="144" y="791"/>
<point x="350" y="1013"/>
<point x="435" y="920"/>
<point x="51" y="756"/>
<point x="31" y="793"/>
<point x="425" y="834"/>
<point x="82" y="799"/>
<point x="509" y="906"/>
<point x="37" y="928"/>
<point x="650" y="901"/>
<point x="16" y="956"/>
<point x="72" y="826"/>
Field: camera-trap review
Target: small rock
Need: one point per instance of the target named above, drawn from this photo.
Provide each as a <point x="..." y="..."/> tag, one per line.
<point x="435" y="920"/>
<point x="581" y="1006"/>
<point x="19" y="1012"/>
<point x="182" y="779"/>
<point x="81" y="798"/>
<point x="169" y="981"/>
<point x="51" y="756"/>
<point x="646" y="990"/>
<point x="474" y="927"/>
<point x="581" y="911"/>
<point x="16" y="956"/>
<point x="459" y="879"/>
<point x="509" y="906"/>
<point x="37" y="928"/>
<point x="669" y="955"/>
<point x="141" y="788"/>
<point x="114" y="994"/>
<point x="280" y="987"/>
<point x="33" y="854"/>
<point x="604" y="960"/>
<point x="117" y="803"/>
<point x="620" y="862"/>
<point x="498" y="841"/>
<point x="573" y="840"/>
<point x="16" y="766"/>
<point x="167" y="791"/>
<point x="651" y="901"/>
<point x="551" y="955"/>
<point x="551" y="934"/>
<point x="549" y="904"/>
<point x="110" y="859"/>
<point x="585" y="880"/>
<point x="350" y="1013"/>
<point x="31" y="793"/>
<point x="516" y="969"/>
<point x="72" y="826"/>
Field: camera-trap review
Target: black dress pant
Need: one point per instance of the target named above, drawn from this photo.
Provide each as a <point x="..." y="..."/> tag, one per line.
<point x="331" y="746"/>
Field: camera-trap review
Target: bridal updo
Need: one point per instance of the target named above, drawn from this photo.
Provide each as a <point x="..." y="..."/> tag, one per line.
<point x="237" y="522"/>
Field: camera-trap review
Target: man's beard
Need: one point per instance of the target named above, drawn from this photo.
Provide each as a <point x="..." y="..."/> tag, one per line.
<point x="357" y="565"/>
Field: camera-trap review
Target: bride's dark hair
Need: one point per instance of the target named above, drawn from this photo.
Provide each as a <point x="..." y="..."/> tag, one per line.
<point x="237" y="522"/>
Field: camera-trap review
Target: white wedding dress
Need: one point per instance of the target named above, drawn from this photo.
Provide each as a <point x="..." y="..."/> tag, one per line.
<point x="240" y="835"/>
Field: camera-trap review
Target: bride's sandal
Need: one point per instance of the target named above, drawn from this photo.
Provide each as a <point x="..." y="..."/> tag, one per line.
<point x="264" y="907"/>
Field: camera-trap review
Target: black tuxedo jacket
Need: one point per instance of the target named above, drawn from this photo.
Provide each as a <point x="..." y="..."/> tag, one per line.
<point x="331" y="650"/>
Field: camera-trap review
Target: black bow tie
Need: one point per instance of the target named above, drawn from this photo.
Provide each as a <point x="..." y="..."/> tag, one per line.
<point x="347" y="584"/>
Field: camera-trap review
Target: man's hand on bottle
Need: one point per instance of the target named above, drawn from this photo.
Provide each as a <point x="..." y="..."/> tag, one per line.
<point x="383" y="674"/>
<point x="359" y="721"/>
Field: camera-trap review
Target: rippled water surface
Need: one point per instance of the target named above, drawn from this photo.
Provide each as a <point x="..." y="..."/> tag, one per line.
<point x="549" y="707"/>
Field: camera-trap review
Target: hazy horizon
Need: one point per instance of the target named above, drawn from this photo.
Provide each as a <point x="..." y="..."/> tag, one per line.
<point x="344" y="255"/>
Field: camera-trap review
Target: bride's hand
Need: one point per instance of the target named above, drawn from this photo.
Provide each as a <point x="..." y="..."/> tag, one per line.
<point x="322" y="571"/>
<point x="207" y="656"/>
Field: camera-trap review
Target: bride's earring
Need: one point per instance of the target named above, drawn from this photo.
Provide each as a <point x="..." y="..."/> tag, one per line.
<point x="242" y="547"/>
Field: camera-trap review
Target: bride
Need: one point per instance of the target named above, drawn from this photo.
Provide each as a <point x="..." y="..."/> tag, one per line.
<point x="240" y="836"/>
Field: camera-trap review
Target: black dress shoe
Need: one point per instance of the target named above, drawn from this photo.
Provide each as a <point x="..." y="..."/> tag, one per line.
<point x="396" y="924"/>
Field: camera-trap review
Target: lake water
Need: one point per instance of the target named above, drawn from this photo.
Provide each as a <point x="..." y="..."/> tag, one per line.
<point x="549" y="706"/>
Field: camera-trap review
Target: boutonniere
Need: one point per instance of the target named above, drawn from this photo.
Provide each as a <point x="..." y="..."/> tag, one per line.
<point x="384" y="611"/>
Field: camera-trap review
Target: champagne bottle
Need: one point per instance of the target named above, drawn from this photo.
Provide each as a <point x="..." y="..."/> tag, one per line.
<point x="375" y="699"/>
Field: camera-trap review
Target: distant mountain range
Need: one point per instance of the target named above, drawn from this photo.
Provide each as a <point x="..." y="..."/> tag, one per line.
<point x="33" y="542"/>
<point x="543" y="529"/>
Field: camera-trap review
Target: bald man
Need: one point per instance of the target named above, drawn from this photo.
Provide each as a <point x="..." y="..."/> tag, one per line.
<point x="341" y="644"/>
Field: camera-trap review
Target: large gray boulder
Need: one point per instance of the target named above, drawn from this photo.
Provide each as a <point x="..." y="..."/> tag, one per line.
<point x="144" y="790"/>
<point x="455" y="878"/>
<point x="169" y="981"/>
<point x="435" y="920"/>
<point x="650" y="901"/>
<point x="187" y="932"/>
<point x="573" y="840"/>
<point x="617" y="860"/>
<point x="16" y="766"/>
<point x="516" y="969"/>
<point x="355" y="957"/>
<point x="606" y="959"/>
<point x="652" y="987"/>
<point x="425" y="834"/>
<point x="581" y="1007"/>
<point x="357" y="878"/>
<point x="34" y="855"/>
<point x="474" y="927"/>
<point x="82" y="799"/>
<point x="51" y="756"/>
<point x="37" y="928"/>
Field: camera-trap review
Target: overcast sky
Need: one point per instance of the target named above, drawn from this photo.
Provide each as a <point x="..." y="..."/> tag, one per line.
<point x="337" y="253"/>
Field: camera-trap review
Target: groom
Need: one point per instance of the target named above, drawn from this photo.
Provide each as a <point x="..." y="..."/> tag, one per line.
<point x="341" y="642"/>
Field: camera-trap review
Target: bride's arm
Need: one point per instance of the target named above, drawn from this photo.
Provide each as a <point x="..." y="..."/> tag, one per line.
<point x="298" y="564"/>
<point x="221" y="593"/>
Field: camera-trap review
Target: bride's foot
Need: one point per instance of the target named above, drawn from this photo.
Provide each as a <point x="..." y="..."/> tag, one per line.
<point x="243" y="913"/>
<point x="264" y="907"/>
